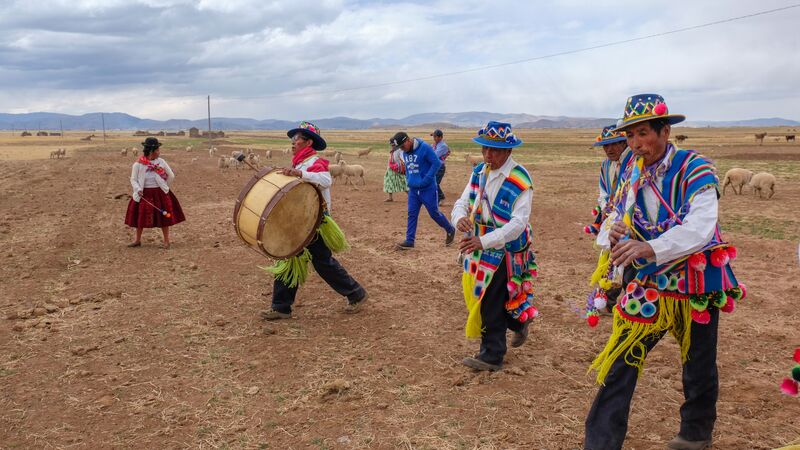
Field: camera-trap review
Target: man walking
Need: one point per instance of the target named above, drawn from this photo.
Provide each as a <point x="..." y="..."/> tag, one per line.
<point x="421" y="167"/>
<point x="442" y="151"/>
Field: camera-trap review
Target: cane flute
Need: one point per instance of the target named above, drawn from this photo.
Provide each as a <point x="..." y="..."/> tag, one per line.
<point x="473" y="211"/>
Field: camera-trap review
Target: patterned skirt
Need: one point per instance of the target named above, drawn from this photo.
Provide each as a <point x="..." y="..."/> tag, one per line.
<point x="142" y="214"/>
<point x="394" y="182"/>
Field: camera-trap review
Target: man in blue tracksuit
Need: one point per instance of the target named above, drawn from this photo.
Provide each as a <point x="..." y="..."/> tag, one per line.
<point x="421" y="167"/>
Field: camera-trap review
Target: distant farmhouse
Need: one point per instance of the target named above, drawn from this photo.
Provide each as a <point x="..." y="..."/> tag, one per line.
<point x="160" y="133"/>
<point x="195" y="133"/>
<point x="41" y="133"/>
<point x="25" y="133"/>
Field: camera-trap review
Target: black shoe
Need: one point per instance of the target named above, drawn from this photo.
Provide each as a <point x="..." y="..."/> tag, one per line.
<point x="354" y="307"/>
<point x="450" y="236"/>
<point x="405" y="245"/>
<point x="477" y="364"/>
<point x="520" y="336"/>
<point x="679" y="443"/>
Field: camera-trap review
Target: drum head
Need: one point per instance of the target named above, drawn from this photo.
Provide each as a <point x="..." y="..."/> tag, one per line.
<point x="292" y="221"/>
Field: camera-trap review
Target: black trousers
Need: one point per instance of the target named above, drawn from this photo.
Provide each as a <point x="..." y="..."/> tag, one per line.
<point x="627" y="276"/>
<point x="439" y="176"/>
<point x="607" y="421"/>
<point x="329" y="269"/>
<point x="496" y="319"/>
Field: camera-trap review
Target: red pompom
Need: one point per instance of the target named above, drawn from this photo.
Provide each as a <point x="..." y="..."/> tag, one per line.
<point x="523" y="317"/>
<point x="797" y="356"/>
<point x="719" y="257"/>
<point x="744" y="291"/>
<point x="701" y="317"/>
<point x="587" y="230"/>
<point x="697" y="262"/>
<point x="732" y="253"/>
<point x="730" y="305"/>
<point x="660" y="109"/>
<point x="789" y="387"/>
<point x="593" y="320"/>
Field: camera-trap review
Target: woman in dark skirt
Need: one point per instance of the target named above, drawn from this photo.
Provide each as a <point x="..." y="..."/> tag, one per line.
<point x="153" y="205"/>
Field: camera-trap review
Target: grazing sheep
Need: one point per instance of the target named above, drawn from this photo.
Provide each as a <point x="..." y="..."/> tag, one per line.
<point x="473" y="160"/>
<point x="338" y="157"/>
<point x="353" y="170"/>
<point x="188" y="148"/>
<point x="337" y="170"/>
<point x="222" y="163"/>
<point x="268" y="154"/>
<point x="286" y="151"/>
<point x="761" y="182"/>
<point x="124" y="152"/>
<point x="736" y="177"/>
<point x="212" y="151"/>
<point x="194" y="160"/>
<point x="134" y="151"/>
<point x="253" y="159"/>
<point x="789" y="137"/>
<point x="328" y="153"/>
<point x="364" y="152"/>
<point x="760" y="138"/>
<point x="62" y="152"/>
<point x="235" y="163"/>
<point x="54" y="154"/>
<point x="681" y="137"/>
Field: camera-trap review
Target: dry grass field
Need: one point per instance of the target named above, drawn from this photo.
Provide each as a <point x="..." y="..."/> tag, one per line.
<point x="104" y="346"/>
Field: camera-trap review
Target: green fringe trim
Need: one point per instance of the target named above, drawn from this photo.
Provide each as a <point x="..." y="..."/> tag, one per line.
<point x="292" y="271"/>
<point x="332" y="235"/>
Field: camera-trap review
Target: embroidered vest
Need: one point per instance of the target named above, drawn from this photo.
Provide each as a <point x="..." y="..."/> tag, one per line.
<point x="517" y="182"/>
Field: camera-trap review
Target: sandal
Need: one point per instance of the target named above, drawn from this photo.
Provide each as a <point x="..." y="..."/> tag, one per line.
<point x="135" y="244"/>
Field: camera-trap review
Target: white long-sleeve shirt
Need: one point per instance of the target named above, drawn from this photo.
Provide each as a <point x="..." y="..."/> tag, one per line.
<point x="141" y="178"/>
<point x="520" y="214"/>
<point x="692" y="235"/>
<point x="321" y="179"/>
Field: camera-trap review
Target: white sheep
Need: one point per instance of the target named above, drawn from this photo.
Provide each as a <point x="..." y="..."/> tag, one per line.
<point x="134" y="151"/>
<point x="353" y="170"/>
<point x="364" y="152"/>
<point x="188" y="148"/>
<point x="736" y="177"/>
<point x="194" y="160"/>
<point x="338" y="157"/>
<point x="328" y="153"/>
<point x="268" y="154"/>
<point x="286" y="151"/>
<point x="473" y="160"/>
<point x="222" y="163"/>
<point x="124" y="152"/>
<point x="212" y="151"/>
<point x="762" y="182"/>
<point x="235" y="163"/>
<point x="253" y="159"/>
<point x="336" y="170"/>
<point x="62" y="152"/>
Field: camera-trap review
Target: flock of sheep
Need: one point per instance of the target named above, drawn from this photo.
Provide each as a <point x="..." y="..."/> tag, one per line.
<point x="58" y="154"/>
<point x="762" y="182"/>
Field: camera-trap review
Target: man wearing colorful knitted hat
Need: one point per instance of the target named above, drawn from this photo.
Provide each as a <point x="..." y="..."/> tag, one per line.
<point x="499" y="264"/>
<point x="291" y="273"/>
<point x="664" y="223"/>
<point x="421" y="167"/>
<point x="618" y="155"/>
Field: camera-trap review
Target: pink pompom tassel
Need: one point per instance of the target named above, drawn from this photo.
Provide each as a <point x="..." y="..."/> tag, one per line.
<point x="701" y="317"/>
<point x="797" y="356"/>
<point x="789" y="387"/>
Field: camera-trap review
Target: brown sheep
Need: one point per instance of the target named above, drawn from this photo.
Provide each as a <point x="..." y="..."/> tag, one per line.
<point x="760" y="138"/>
<point x="681" y="137"/>
<point x="761" y="182"/>
<point x="473" y="160"/>
<point x="364" y="152"/>
<point x="789" y="137"/>
<point x="736" y="177"/>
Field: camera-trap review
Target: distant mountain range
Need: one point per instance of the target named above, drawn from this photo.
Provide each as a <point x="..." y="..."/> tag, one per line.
<point x="121" y="121"/>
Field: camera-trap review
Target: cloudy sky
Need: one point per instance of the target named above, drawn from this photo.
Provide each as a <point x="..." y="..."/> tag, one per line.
<point x="309" y="59"/>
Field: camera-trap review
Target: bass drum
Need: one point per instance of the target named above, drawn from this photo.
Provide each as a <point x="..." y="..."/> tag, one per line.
<point x="277" y="215"/>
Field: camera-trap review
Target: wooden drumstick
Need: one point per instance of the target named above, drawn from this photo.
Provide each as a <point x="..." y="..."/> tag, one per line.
<point x="242" y="158"/>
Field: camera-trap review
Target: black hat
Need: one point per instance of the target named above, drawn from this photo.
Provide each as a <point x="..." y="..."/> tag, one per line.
<point x="437" y="133"/>
<point x="399" y="138"/>
<point x="151" y="143"/>
<point x="310" y="131"/>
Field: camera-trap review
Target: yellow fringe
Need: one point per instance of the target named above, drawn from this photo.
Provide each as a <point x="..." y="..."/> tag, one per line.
<point x="474" y="325"/>
<point x="602" y="268"/>
<point x="627" y="337"/>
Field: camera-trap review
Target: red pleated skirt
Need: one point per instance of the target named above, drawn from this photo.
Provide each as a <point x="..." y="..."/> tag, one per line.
<point x="143" y="215"/>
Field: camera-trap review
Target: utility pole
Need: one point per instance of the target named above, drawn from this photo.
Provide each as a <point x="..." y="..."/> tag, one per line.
<point x="103" y="118"/>
<point x="61" y="125"/>
<point x="209" y="122"/>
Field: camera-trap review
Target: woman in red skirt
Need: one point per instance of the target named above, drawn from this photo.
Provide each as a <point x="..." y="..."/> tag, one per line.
<point x="153" y="205"/>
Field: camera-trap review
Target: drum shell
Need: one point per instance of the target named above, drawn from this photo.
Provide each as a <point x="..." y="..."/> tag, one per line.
<point x="277" y="215"/>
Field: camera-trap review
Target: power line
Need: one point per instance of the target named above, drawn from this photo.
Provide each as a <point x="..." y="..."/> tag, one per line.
<point x="519" y="61"/>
